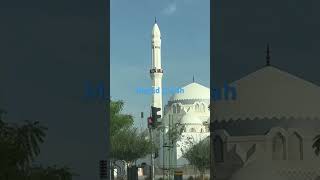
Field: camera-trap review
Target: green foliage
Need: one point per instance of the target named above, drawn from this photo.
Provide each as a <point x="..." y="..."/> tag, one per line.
<point x="175" y="132"/>
<point x="126" y="142"/>
<point x="198" y="155"/>
<point x="119" y="121"/>
<point x="19" y="145"/>
<point x="316" y="145"/>
<point x="129" y="145"/>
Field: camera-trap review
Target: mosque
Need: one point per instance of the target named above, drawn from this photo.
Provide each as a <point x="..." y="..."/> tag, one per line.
<point x="188" y="110"/>
<point x="268" y="131"/>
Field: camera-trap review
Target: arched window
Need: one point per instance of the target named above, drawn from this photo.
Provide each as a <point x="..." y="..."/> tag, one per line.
<point x="192" y="130"/>
<point x="203" y="108"/>
<point x="201" y="130"/>
<point x="197" y="107"/>
<point x="174" y="108"/>
<point x="295" y="147"/>
<point x="178" y="108"/>
<point x="278" y="147"/>
<point x="218" y="149"/>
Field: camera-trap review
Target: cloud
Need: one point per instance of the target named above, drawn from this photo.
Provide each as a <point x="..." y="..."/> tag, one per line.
<point x="170" y="9"/>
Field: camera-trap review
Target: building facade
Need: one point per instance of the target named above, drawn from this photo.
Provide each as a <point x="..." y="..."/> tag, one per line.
<point x="268" y="131"/>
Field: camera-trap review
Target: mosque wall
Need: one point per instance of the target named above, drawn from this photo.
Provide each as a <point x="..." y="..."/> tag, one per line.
<point x="291" y="149"/>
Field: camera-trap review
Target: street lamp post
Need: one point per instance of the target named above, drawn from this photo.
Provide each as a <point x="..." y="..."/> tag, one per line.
<point x="152" y="174"/>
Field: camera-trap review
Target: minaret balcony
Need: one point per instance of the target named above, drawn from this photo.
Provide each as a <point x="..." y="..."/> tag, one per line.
<point x="155" y="47"/>
<point x="155" y="70"/>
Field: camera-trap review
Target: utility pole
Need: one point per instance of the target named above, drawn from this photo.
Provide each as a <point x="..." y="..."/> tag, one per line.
<point x="163" y="130"/>
<point x="168" y="157"/>
<point x="152" y="124"/>
<point x="169" y="144"/>
<point x="152" y="156"/>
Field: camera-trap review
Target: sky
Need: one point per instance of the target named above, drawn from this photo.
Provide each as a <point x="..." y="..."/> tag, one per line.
<point x="242" y="29"/>
<point x="185" y="30"/>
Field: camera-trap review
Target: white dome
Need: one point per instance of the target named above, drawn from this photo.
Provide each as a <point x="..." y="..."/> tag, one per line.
<point x="156" y="31"/>
<point x="192" y="91"/>
<point x="190" y="119"/>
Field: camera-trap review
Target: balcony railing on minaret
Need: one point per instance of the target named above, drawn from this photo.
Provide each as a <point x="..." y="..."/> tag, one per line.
<point x="155" y="70"/>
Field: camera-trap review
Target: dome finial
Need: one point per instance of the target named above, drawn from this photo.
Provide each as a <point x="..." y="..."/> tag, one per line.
<point x="268" y="55"/>
<point x="193" y="78"/>
<point x="155" y="19"/>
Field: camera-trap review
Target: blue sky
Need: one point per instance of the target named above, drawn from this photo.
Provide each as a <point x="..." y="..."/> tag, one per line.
<point x="185" y="30"/>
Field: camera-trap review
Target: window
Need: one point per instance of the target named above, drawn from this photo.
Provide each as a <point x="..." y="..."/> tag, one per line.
<point x="192" y="130"/>
<point x="278" y="147"/>
<point x="203" y="108"/>
<point x="218" y="149"/>
<point x="295" y="147"/>
<point x="174" y="108"/>
<point x="178" y="108"/>
<point x="197" y="107"/>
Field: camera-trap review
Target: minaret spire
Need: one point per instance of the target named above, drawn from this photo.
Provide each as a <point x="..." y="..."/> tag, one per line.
<point x="268" y="55"/>
<point x="155" y="19"/>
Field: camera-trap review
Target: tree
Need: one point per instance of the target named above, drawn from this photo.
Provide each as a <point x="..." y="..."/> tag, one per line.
<point x="119" y="121"/>
<point x="19" y="145"/>
<point x="316" y="145"/>
<point x="198" y="155"/>
<point x="126" y="142"/>
<point x="129" y="145"/>
<point x="175" y="132"/>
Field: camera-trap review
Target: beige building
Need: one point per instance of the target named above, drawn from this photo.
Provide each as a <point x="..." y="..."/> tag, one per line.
<point x="267" y="132"/>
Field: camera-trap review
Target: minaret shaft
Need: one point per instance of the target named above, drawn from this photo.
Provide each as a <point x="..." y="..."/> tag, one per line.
<point x="156" y="71"/>
<point x="156" y="53"/>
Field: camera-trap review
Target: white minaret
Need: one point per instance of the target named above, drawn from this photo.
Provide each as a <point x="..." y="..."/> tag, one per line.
<point x="156" y="72"/>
